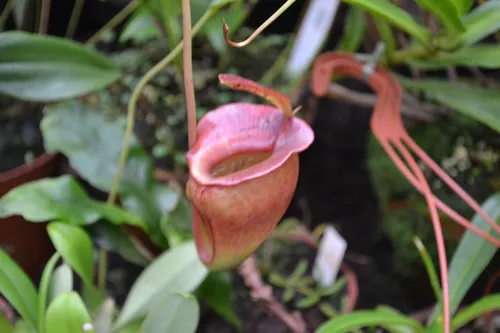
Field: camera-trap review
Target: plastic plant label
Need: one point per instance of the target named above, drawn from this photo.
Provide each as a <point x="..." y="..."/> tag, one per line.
<point x="312" y="33"/>
<point x="329" y="258"/>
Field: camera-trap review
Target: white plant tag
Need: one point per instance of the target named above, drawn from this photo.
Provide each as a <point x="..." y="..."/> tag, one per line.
<point x="329" y="258"/>
<point x="312" y="33"/>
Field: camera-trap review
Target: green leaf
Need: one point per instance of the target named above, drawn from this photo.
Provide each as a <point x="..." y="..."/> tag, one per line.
<point x="477" y="309"/>
<point x="354" y="30"/>
<point x="92" y="297"/>
<point x="396" y="16"/>
<point x="364" y="318"/>
<point x="178" y="270"/>
<point x="93" y="144"/>
<point x="18" y="289"/>
<point x="429" y="267"/>
<point x="44" y="289"/>
<point x="176" y="225"/>
<point x="61" y="282"/>
<point x="133" y="327"/>
<point x="67" y="314"/>
<point x="217" y="291"/>
<point x="45" y="68"/>
<point x="486" y="56"/>
<point x="463" y="6"/>
<point x="22" y="326"/>
<point x="481" y="22"/>
<point x="103" y="319"/>
<point x="471" y="256"/>
<point x="478" y="103"/>
<point x="175" y="313"/>
<point x="5" y="326"/>
<point x="141" y="27"/>
<point x="446" y="12"/>
<point x="63" y="199"/>
<point x="75" y="246"/>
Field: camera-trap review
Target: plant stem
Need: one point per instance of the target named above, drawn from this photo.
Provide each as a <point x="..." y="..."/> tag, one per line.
<point x="44" y="17"/>
<point x="9" y="6"/>
<point x="188" y="72"/>
<point x="117" y="19"/>
<point x="130" y="128"/>
<point x="75" y="18"/>
<point x="102" y="269"/>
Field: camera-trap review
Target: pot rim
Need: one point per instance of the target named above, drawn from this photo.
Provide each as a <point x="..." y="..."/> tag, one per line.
<point x="25" y="169"/>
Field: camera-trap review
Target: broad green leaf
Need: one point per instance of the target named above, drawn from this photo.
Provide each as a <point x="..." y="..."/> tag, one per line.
<point x="92" y="297"/>
<point x="471" y="256"/>
<point x="396" y="16"/>
<point x="75" y="246"/>
<point x="481" y="22"/>
<point x="61" y="282"/>
<point x="364" y="318"/>
<point x="217" y="292"/>
<point x="175" y="313"/>
<point x="5" y="326"/>
<point x="63" y="199"/>
<point x="43" y="290"/>
<point x="486" y="56"/>
<point x="446" y="12"/>
<point x="478" y="103"/>
<point x="93" y="144"/>
<point x="133" y="327"/>
<point x="18" y="289"/>
<point x="477" y="309"/>
<point x="354" y="30"/>
<point x="178" y="270"/>
<point x="463" y="6"/>
<point x="141" y="27"/>
<point x="67" y="314"/>
<point x="45" y="68"/>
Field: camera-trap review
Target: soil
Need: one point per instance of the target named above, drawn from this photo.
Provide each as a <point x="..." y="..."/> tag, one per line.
<point x="20" y="136"/>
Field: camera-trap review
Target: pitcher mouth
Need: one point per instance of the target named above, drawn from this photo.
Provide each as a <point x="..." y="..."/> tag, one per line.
<point x="240" y="141"/>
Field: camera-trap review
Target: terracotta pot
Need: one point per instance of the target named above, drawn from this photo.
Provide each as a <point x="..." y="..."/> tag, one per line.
<point x="27" y="243"/>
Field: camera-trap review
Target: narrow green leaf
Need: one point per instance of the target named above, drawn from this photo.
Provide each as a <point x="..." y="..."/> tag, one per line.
<point x="471" y="256"/>
<point x="61" y="282"/>
<point x="45" y="68"/>
<point x="63" y="199"/>
<point x="75" y="246"/>
<point x="18" y="289"/>
<point x="175" y="313"/>
<point x="463" y="6"/>
<point x="429" y="267"/>
<point x="354" y="30"/>
<point x="217" y="292"/>
<point x="44" y="289"/>
<point x="486" y="56"/>
<point x="22" y="326"/>
<point x="481" y="22"/>
<point x="67" y="314"/>
<point x="482" y="306"/>
<point x="396" y="16"/>
<point x="365" y="318"/>
<point x="446" y="12"/>
<point x="478" y="103"/>
<point x="178" y="270"/>
<point x="5" y="326"/>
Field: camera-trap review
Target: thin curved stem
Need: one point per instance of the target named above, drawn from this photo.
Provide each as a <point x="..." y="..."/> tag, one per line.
<point x="130" y="128"/>
<point x="257" y="32"/>
<point x="9" y="6"/>
<point x="188" y="72"/>
<point x="117" y="19"/>
<point x="75" y="18"/>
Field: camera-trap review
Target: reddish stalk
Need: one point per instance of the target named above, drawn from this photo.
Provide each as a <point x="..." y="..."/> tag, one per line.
<point x="387" y="126"/>
<point x="188" y="72"/>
